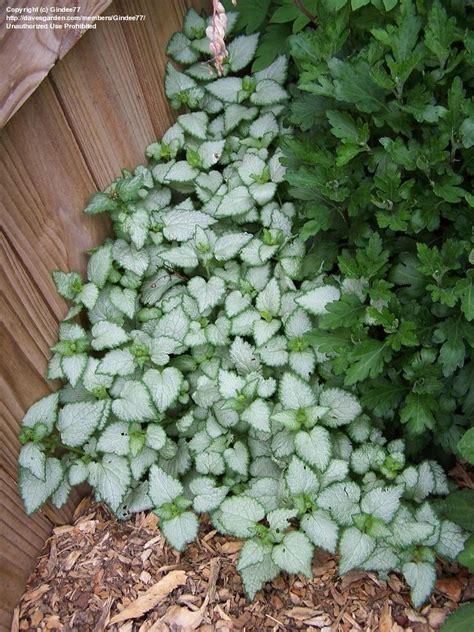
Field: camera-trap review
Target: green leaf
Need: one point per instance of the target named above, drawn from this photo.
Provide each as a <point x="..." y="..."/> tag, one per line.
<point x="465" y="446"/>
<point x="460" y="620"/>
<point x="459" y="507"/>
<point x="367" y="360"/>
<point x="417" y="412"/>
<point x="466" y="557"/>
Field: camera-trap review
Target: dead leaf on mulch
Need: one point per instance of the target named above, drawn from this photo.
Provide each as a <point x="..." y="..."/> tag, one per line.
<point x="151" y="597"/>
<point x="99" y="574"/>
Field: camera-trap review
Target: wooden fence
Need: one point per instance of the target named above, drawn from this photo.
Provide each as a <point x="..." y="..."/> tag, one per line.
<point x="93" y="114"/>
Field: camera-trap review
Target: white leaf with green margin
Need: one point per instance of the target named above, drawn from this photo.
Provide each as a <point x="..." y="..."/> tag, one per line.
<point x="180" y="225"/>
<point x="241" y="51"/>
<point x="117" y="362"/>
<point x="73" y="367"/>
<point x="302" y="363"/>
<point x="274" y="352"/>
<point x="269" y="299"/>
<point x="242" y="355"/>
<point x="44" y="411"/>
<point x="342" y="500"/>
<point x="194" y="123"/>
<point x="134" y="403"/>
<point x="207" y="496"/>
<point x="88" y="295"/>
<point x="239" y="515"/>
<point x="263" y="331"/>
<point x="295" y="393"/>
<point x="130" y="258"/>
<point x="137" y="225"/>
<point x="236" y="303"/>
<point x="228" y="246"/>
<point x="34" y="491"/>
<point x="124" y="299"/>
<point x="235" y="113"/>
<point x="207" y="293"/>
<point x="421" y="578"/>
<point x="176" y="82"/>
<point x="354" y="549"/>
<point x="111" y="479"/>
<point x="181" y="171"/>
<point x="343" y="406"/>
<point x="263" y="570"/>
<point x="315" y="301"/>
<point x="183" y="256"/>
<point x="155" y="437"/>
<point x="77" y="422"/>
<point x="277" y="71"/>
<point x="268" y="92"/>
<point x="107" y="335"/>
<point x="257" y="415"/>
<point x="226" y="89"/>
<point x="163" y="488"/>
<point x="294" y="554"/>
<point x="321" y="529"/>
<point x="300" y="478"/>
<point x="78" y="472"/>
<point x="181" y="530"/>
<point x="230" y="384"/>
<point x="236" y="202"/>
<point x="114" y="439"/>
<point x="180" y="50"/>
<point x="33" y="459"/>
<point x="164" y="386"/>
<point x="382" y="502"/>
<point x="314" y="447"/>
<point x="237" y="458"/>
<point x="210" y="152"/>
<point x="451" y="540"/>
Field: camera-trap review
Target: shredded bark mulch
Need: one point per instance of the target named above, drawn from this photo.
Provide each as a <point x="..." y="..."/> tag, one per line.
<point x="100" y="574"/>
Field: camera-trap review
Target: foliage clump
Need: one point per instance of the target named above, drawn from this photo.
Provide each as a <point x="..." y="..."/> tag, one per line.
<point x="191" y="384"/>
<point x="383" y="167"/>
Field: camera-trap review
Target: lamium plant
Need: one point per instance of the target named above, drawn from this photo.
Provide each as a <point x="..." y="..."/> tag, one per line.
<point x="190" y="384"/>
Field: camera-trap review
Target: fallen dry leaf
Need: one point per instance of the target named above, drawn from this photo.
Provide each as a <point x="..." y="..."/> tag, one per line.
<point x="450" y="586"/>
<point x="151" y="597"/>
<point x="184" y="618"/>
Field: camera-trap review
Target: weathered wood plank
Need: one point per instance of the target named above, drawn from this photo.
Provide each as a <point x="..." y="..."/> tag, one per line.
<point x="26" y="56"/>
<point x="111" y="85"/>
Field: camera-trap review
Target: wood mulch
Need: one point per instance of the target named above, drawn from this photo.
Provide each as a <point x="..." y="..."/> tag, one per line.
<point x="100" y="574"/>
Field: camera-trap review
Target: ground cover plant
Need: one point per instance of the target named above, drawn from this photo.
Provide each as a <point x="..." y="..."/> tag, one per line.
<point x="191" y="381"/>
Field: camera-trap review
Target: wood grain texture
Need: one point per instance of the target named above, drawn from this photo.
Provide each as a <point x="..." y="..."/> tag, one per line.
<point x="94" y="114"/>
<point x="111" y="85"/>
<point x="27" y="56"/>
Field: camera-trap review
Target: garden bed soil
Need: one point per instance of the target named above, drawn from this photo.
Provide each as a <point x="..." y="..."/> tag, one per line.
<point x="101" y="574"/>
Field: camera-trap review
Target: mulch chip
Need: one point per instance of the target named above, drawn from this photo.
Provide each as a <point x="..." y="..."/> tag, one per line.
<point x="100" y="574"/>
